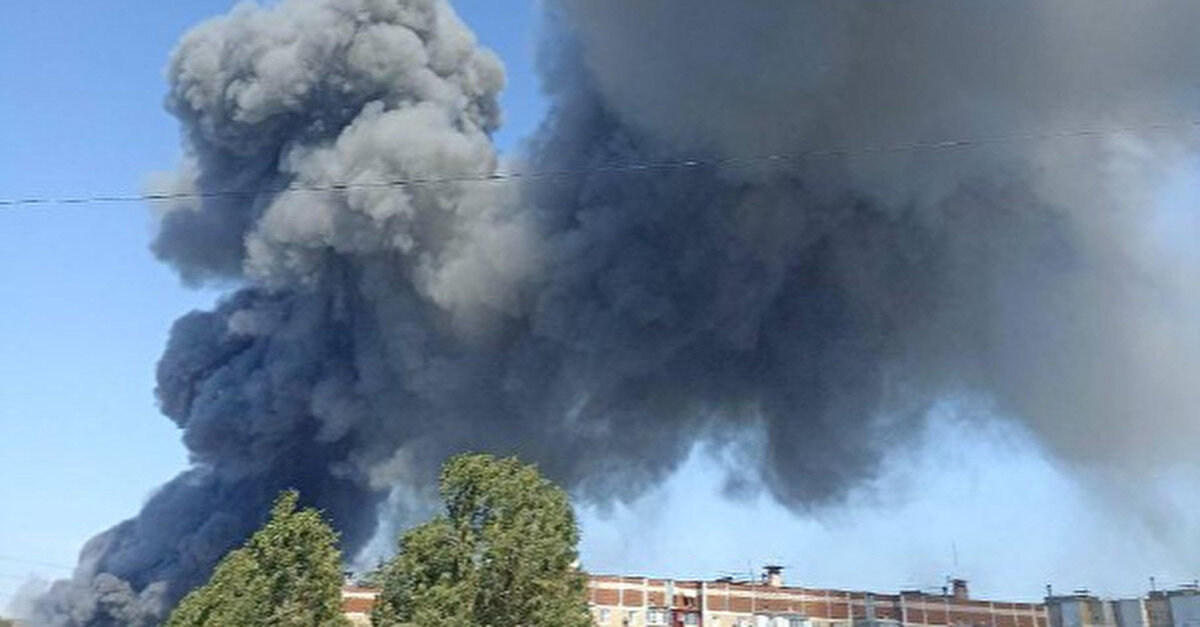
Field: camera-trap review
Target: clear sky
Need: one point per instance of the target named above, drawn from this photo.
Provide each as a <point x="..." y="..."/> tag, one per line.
<point x="87" y="310"/>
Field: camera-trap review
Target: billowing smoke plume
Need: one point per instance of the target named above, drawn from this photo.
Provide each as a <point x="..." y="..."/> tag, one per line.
<point x="808" y="308"/>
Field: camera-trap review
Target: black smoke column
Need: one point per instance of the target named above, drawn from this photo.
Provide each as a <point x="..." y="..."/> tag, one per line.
<point x="807" y="307"/>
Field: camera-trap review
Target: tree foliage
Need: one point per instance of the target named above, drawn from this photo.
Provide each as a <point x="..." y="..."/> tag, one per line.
<point x="288" y="574"/>
<point x="503" y="554"/>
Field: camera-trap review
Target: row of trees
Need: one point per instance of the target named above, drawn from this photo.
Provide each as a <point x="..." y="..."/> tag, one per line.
<point x="503" y="553"/>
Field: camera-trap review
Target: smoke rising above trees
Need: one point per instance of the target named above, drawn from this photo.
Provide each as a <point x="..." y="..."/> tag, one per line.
<point x="603" y="324"/>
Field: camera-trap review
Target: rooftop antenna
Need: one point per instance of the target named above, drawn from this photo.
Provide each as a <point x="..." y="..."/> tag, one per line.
<point x="954" y="550"/>
<point x="1153" y="587"/>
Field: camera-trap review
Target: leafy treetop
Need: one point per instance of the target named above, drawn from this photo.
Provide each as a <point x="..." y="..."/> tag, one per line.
<point x="503" y="554"/>
<point x="288" y="574"/>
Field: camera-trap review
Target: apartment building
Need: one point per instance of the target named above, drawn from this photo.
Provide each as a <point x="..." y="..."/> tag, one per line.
<point x="621" y="601"/>
<point x="357" y="603"/>
<point x="1081" y="609"/>
<point x="624" y="601"/>
<point x="1161" y="608"/>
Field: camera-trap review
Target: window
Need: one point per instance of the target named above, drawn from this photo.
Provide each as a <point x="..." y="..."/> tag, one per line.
<point x="656" y="617"/>
<point x="605" y="616"/>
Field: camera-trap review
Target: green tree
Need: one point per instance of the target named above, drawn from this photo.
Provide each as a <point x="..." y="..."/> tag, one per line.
<point x="288" y="574"/>
<point x="502" y="555"/>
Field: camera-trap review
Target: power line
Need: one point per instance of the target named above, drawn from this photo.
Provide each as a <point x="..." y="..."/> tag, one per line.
<point x="615" y="168"/>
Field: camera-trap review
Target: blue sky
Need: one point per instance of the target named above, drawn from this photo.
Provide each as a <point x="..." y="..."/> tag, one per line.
<point x="88" y="308"/>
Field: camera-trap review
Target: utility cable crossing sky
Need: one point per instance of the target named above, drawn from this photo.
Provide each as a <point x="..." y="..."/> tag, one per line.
<point x="615" y="168"/>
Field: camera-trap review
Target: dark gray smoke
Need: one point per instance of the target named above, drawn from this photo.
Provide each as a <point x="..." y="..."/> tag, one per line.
<point x="806" y="309"/>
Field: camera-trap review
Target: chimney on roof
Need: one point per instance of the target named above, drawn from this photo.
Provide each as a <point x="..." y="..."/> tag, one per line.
<point x="961" y="592"/>
<point x="773" y="575"/>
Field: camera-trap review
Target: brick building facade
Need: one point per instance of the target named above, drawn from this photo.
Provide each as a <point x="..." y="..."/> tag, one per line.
<point x="620" y="601"/>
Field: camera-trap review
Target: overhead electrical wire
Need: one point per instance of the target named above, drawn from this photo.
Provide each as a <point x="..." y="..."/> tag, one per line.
<point x="615" y="168"/>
